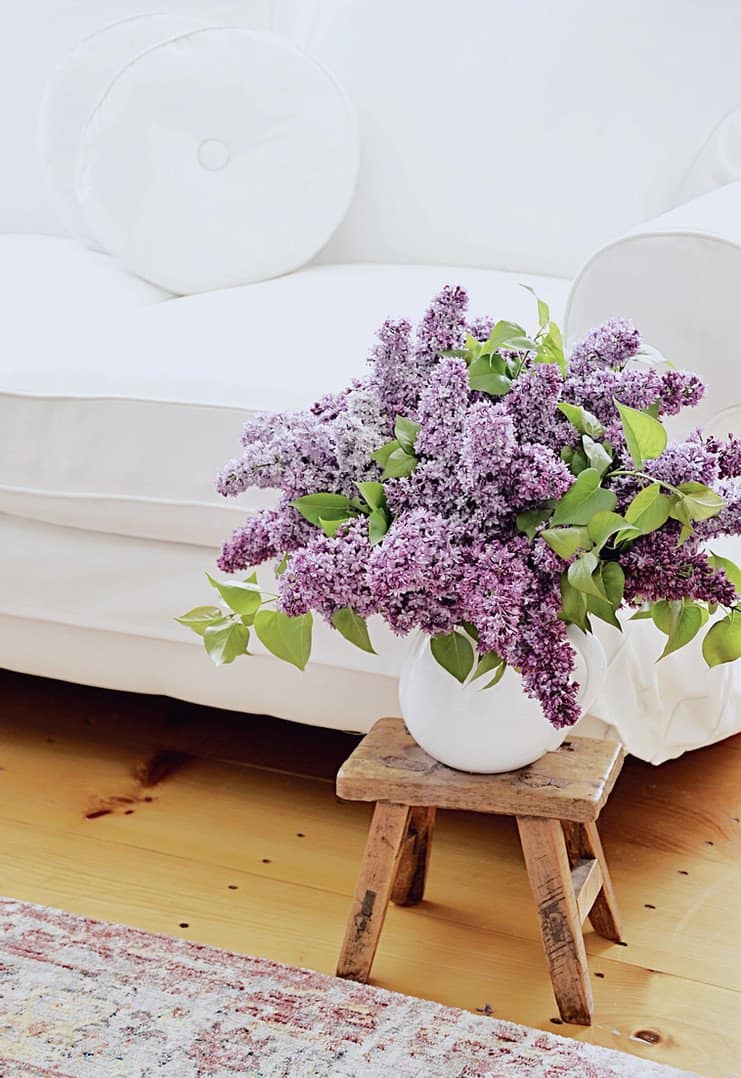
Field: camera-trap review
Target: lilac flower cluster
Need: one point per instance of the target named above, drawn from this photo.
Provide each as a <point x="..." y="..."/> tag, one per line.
<point x="454" y="552"/>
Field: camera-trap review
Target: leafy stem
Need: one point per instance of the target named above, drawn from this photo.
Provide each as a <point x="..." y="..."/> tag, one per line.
<point x="649" y="478"/>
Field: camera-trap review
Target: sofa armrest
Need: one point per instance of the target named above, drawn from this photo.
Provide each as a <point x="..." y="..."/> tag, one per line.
<point x="678" y="278"/>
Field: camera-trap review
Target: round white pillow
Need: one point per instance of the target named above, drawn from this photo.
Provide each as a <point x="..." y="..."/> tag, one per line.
<point x="218" y="158"/>
<point x="74" y="90"/>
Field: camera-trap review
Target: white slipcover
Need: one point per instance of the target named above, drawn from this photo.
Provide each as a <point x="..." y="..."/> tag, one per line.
<point x="514" y="137"/>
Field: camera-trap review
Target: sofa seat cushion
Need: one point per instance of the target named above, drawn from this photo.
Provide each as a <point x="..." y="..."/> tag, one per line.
<point x="120" y="423"/>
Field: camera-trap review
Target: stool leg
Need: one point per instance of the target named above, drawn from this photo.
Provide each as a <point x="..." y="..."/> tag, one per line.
<point x="582" y="840"/>
<point x="548" y="869"/>
<point x="409" y="887"/>
<point x="377" y="873"/>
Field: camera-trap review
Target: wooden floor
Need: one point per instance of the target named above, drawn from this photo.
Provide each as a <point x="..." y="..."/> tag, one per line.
<point x="226" y="830"/>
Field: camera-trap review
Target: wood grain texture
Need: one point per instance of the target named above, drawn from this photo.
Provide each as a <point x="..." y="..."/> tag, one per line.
<point x="261" y="860"/>
<point x="378" y="869"/>
<point x="586" y="879"/>
<point x="549" y="872"/>
<point x="411" y="875"/>
<point x="571" y="783"/>
<point x="583" y="841"/>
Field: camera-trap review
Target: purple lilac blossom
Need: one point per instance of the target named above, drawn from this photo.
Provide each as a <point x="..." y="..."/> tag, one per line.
<point x="656" y="567"/>
<point x="680" y="389"/>
<point x="728" y="453"/>
<point x="328" y="573"/>
<point x="610" y="345"/>
<point x="728" y="521"/>
<point x="453" y="552"/>
<point x="269" y="534"/>
<point x="532" y="404"/>
<point x="442" y="411"/>
<point x="487" y="446"/>
<point x="688" y="461"/>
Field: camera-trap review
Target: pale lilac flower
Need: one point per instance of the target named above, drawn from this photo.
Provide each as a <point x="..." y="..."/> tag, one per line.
<point x="270" y="533"/>
<point x="328" y="573"/>
<point x="442" y="409"/>
<point x="610" y="345"/>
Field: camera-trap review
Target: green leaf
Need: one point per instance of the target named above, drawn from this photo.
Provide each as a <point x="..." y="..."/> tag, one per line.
<point x="584" y="421"/>
<point x="613" y="581"/>
<point x="649" y="510"/>
<point x="645" y="435"/>
<point x="573" y="605"/>
<point x="544" y="314"/>
<point x="603" y="525"/>
<point x="685" y="619"/>
<point x="596" y="454"/>
<point x="575" y="458"/>
<point x="382" y="454"/>
<point x="406" y="431"/>
<point x="286" y="638"/>
<point x="528" y="521"/>
<point x="663" y="612"/>
<point x="722" y="643"/>
<point x="642" y="615"/>
<point x="324" y="506"/>
<point x="470" y="628"/>
<point x="488" y="662"/>
<point x="551" y="348"/>
<point x="603" y="610"/>
<point x="225" y="641"/>
<point x="700" y="501"/>
<point x="374" y="494"/>
<point x="331" y="527"/>
<point x="353" y="628"/>
<point x="566" y="541"/>
<point x="281" y="566"/>
<point x="398" y="464"/>
<point x="483" y="377"/>
<point x="243" y="597"/>
<point x="520" y="344"/>
<point x="583" y="574"/>
<point x="501" y="335"/>
<point x="454" y="653"/>
<point x="501" y="670"/>
<point x="583" y="499"/>
<point x="378" y="524"/>
<point x="724" y="565"/>
<point x="200" y="617"/>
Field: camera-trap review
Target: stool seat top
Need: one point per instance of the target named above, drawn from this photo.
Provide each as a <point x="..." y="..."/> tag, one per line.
<point x="571" y="783"/>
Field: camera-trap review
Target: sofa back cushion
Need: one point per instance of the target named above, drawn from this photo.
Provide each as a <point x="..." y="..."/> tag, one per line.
<point x="37" y="35"/>
<point x="519" y="135"/>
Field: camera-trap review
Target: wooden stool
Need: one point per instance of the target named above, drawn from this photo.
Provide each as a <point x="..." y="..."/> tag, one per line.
<point x="556" y="801"/>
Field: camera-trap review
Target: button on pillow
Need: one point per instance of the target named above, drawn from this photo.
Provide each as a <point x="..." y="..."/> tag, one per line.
<point x="218" y="158"/>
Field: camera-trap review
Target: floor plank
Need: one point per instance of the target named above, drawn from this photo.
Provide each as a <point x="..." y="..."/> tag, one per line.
<point x="158" y="814"/>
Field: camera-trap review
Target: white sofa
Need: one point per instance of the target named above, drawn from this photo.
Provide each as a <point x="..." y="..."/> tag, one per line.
<point x="500" y="142"/>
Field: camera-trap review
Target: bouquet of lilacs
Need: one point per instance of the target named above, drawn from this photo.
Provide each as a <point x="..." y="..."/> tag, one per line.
<point x="481" y="488"/>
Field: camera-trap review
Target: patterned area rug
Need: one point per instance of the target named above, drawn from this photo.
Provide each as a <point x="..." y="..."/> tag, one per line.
<point x="83" y="998"/>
